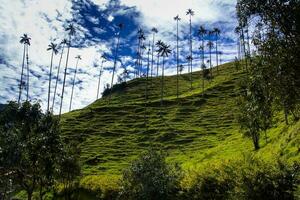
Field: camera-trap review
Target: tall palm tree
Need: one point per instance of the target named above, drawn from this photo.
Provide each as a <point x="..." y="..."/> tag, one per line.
<point x="78" y="58"/>
<point x="71" y="32"/>
<point x="210" y="45"/>
<point x="202" y="32"/>
<point x="26" y="41"/>
<point x="217" y="34"/>
<point x="191" y="13"/>
<point x="158" y="44"/>
<point x="164" y="52"/>
<point x="63" y="43"/>
<point x="141" y="47"/>
<point x="120" y="26"/>
<point x="100" y="73"/>
<point x="53" y="48"/>
<point x="177" y="19"/>
<point x="154" y="31"/>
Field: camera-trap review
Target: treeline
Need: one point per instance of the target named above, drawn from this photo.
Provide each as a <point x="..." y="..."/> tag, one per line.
<point x="151" y="177"/>
<point x="33" y="155"/>
<point x="272" y="68"/>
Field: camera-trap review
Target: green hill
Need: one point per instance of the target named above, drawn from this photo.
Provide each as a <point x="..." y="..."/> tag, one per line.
<point x="194" y="129"/>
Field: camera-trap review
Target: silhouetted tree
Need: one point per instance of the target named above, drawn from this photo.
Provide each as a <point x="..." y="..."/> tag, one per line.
<point x="177" y="19"/>
<point x="217" y="34"/>
<point x="154" y="31"/>
<point x="71" y="31"/>
<point x="53" y="48"/>
<point x="63" y="43"/>
<point x="190" y="12"/>
<point x="78" y="58"/>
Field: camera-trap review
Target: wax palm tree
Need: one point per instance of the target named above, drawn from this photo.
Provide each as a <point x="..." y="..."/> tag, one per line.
<point x="25" y="40"/>
<point x="202" y="32"/>
<point x="141" y="47"/>
<point x="190" y="12"/>
<point x="158" y="44"/>
<point x="120" y="26"/>
<point x="53" y="48"/>
<point x="164" y="52"/>
<point x="210" y="45"/>
<point x="78" y="58"/>
<point x="237" y="30"/>
<point x="177" y="19"/>
<point x="217" y="32"/>
<point x="154" y="31"/>
<point x="63" y="43"/>
<point x="71" y="31"/>
<point x="100" y="73"/>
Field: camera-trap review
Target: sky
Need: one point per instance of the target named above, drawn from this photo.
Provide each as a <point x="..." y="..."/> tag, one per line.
<point x="96" y="32"/>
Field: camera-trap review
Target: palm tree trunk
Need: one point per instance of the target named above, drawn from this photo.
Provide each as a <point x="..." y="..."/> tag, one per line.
<point x="152" y="59"/>
<point x="191" y="53"/>
<point x="57" y="75"/>
<point x="115" y="62"/>
<point x="21" y="80"/>
<point x="27" y="63"/>
<point x="50" y="76"/>
<point x="70" y="107"/>
<point x="100" y="74"/>
<point x="65" y="74"/>
<point x="217" y="54"/>
<point x="203" y="65"/>
<point x="162" y="82"/>
<point x="210" y="66"/>
<point x="157" y="65"/>
<point x="177" y="57"/>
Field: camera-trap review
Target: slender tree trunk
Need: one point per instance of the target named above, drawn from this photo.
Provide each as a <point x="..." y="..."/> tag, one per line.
<point x="203" y="65"/>
<point x="57" y="75"/>
<point x="115" y="61"/>
<point x="152" y="58"/>
<point x="50" y="77"/>
<point x="177" y="58"/>
<point x="162" y="82"/>
<point x="65" y="74"/>
<point x="100" y="74"/>
<point x="27" y="63"/>
<point x="210" y="65"/>
<point x="70" y="107"/>
<point x="191" y="53"/>
<point x="217" y="56"/>
<point x="286" y="115"/>
<point x="157" y="67"/>
<point x="21" y="80"/>
<point x="29" y="195"/>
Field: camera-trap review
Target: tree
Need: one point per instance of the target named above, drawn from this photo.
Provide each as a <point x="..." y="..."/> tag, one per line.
<point x="54" y="51"/>
<point x="177" y="19"/>
<point x="120" y="26"/>
<point x="78" y="57"/>
<point x="158" y="45"/>
<point x="202" y="32"/>
<point x="71" y="32"/>
<point x="26" y="41"/>
<point x="63" y="43"/>
<point x="30" y="147"/>
<point x="217" y="34"/>
<point x="154" y="31"/>
<point x="164" y="52"/>
<point x="150" y="177"/>
<point x="210" y="45"/>
<point x="100" y="73"/>
<point x="190" y="12"/>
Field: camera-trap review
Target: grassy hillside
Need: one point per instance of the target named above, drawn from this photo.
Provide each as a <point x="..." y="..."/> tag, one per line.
<point x="195" y="129"/>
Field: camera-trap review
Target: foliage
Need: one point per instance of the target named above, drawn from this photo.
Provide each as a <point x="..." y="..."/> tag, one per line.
<point x="30" y="147"/>
<point x="115" y="89"/>
<point x="150" y="177"/>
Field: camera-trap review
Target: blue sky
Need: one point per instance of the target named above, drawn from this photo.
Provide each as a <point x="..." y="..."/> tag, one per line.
<point x="96" y="22"/>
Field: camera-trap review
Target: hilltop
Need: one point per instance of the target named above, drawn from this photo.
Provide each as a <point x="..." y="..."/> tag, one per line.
<point x="194" y="129"/>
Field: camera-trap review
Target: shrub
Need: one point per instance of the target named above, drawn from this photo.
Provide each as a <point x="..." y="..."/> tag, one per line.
<point x="150" y="177"/>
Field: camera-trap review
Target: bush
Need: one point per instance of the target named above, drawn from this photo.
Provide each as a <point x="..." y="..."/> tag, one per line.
<point x="150" y="177"/>
<point x="116" y="88"/>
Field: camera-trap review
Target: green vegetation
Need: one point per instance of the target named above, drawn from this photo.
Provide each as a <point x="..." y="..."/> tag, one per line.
<point x="195" y="130"/>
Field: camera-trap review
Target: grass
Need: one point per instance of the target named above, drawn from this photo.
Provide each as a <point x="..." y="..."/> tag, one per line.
<point x="197" y="128"/>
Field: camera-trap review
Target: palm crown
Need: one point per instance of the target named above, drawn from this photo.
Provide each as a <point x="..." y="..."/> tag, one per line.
<point x="71" y="29"/>
<point x="202" y="31"/>
<point x="177" y="18"/>
<point x="190" y="12"/>
<point x="25" y="39"/>
<point x="154" y="30"/>
<point x="52" y="47"/>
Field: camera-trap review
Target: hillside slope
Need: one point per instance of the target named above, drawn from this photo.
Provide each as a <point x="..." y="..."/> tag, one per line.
<point x="194" y="129"/>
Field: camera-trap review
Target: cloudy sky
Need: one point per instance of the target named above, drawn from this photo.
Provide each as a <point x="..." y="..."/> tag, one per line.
<point x="96" y="24"/>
